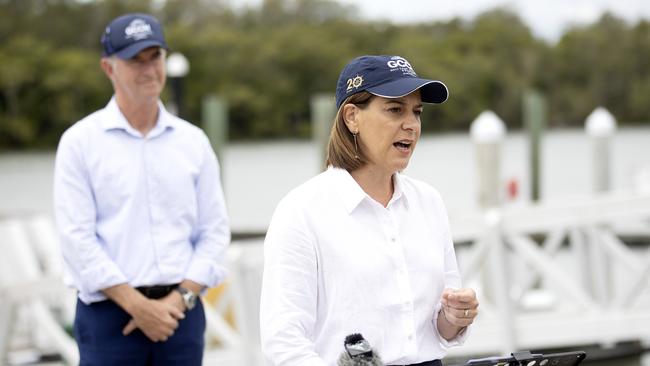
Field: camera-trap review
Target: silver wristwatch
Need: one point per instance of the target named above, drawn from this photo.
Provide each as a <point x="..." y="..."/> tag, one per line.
<point x="189" y="297"/>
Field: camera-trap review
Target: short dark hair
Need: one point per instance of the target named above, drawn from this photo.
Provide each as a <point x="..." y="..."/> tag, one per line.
<point x="341" y="151"/>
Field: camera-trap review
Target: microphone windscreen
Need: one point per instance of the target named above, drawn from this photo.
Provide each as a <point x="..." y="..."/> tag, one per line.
<point x="357" y="352"/>
<point x="353" y="338"/>
<point x="346" y="360"/>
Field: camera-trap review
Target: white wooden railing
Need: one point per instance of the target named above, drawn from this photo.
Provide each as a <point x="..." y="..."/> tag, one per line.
<point x="32" y="293"/>
<point x="558" y="275"/>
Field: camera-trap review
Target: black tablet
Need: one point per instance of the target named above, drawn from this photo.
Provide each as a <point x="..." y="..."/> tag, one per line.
<point x="535" y="359"/>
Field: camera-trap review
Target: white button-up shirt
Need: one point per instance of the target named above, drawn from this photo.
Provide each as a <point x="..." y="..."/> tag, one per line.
<point x="337" y="262"/>
<point x="144" y="210"/>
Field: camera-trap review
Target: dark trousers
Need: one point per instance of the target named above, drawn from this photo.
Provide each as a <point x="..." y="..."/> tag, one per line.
<point x="98" y="331"/>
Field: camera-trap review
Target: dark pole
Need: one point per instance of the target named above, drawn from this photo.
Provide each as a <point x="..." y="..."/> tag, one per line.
<point x="177" y="94"/>
<point x="177" y="68"/>
<point x="535" y="121"/>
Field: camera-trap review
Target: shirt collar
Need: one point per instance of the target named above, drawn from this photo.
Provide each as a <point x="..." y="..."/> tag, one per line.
<point x="400" y="194"/>
<point x="116" y="120"/>
<point x="352" y="194"/>
<point x="348" y="189"/>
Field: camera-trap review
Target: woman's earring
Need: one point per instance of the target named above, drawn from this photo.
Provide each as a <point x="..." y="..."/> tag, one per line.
<point x="356" y="148"/>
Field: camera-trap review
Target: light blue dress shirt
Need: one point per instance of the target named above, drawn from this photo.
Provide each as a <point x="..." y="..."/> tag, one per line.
<point x="144" y="210"/>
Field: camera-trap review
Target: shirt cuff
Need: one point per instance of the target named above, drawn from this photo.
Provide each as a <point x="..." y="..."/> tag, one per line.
<point x="460" y="338"/>
<point x="205" y="272"/>
<point x="102" y="276"/>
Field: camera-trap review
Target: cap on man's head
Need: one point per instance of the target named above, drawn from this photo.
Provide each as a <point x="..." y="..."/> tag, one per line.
<point x="386" y="76"/>
<point x="129" y="34"/>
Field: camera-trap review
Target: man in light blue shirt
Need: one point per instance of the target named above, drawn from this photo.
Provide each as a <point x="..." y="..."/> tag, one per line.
<point x="140" y="212"/>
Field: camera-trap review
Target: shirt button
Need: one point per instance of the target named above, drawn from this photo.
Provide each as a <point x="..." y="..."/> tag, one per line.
<point x="392" y="239"/>
<point x="410" y="337"/>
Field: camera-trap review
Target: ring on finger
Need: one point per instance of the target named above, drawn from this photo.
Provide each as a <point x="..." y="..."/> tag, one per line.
<point x="466" y="313"/>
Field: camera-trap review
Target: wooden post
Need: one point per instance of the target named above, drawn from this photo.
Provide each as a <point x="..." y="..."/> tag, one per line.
<point x="215" y="125"/>
<point x="535" y="121"/>
<point x="500" y="280"/>
<point x="600" y="127"/>
<point x="322" y="115"/>
<point x="487" y="132"/>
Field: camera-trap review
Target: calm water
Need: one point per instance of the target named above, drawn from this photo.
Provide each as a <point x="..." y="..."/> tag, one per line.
<point x="256" y="176"/>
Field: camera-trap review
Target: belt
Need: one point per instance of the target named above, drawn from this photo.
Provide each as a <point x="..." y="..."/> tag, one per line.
<point x="426" y="363"/>
<point x="156" y="292"/>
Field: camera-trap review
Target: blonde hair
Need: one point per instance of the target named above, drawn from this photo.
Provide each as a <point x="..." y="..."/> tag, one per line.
<point x="341" y="149"/>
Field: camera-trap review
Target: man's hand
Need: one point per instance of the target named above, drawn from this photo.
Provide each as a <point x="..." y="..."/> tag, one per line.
<point x="157" y="319"/>
<point x="175" y="299"/>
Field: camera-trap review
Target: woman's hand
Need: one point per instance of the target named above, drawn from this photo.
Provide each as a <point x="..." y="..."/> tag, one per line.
<point x="459" y="308"/>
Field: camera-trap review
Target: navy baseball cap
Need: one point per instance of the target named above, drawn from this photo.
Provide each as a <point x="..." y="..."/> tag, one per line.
<point x="129" y="34"/>
<point x="386" y="76"/>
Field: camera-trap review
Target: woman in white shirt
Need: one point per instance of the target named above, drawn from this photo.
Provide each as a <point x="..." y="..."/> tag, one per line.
<point x="361" y="248"/>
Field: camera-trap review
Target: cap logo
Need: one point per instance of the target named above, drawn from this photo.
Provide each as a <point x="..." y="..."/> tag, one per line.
<point x="354" y="83"/>
<point x="138" y="29"/>
<point x="398" y="63"/>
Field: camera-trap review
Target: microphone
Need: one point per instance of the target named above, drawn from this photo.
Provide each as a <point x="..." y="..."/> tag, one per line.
<point x="358" y="352"/>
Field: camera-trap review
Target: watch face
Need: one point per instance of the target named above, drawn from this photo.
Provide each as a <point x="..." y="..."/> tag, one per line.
<point x="190" y="300"/>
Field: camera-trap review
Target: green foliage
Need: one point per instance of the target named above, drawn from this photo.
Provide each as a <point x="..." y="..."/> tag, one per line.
<point x="596" y="63"/>
<point x="268" y="61"/>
